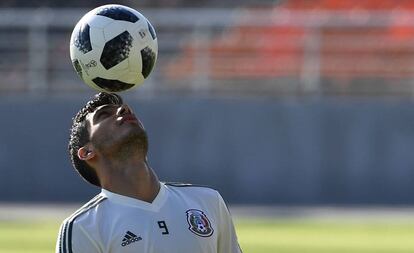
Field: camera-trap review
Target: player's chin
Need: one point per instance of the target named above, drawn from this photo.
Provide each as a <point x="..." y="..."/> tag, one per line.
<point x="134" y="130"/>
<point x="133" y="127"/>
<point x="134" y="138"/>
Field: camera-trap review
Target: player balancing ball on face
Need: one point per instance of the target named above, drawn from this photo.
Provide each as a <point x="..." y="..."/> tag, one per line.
<point x="113" y="48"/>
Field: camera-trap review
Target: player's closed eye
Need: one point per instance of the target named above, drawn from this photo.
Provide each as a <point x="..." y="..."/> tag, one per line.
<point x="102" y="115"/>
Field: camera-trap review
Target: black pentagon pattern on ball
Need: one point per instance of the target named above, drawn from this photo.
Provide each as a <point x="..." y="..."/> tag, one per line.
<point x="152" y="31"/>
<point x="148" y="61"/>
<point x="111" y="85"/>
<point x="82" y="39"/>
<point x="117" y="13"/>
<point x="116" y="50"/>
<point x="77" y="67"/>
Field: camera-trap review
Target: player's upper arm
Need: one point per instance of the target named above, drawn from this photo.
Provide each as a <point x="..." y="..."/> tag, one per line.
<point x="227" y="241"/>
<point x="73" y="238"/>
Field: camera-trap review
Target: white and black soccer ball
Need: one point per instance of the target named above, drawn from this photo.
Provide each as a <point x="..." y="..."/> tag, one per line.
<point x="113" y="48"/>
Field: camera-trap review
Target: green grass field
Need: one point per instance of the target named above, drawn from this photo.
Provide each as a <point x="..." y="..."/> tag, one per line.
<point x="307" y="236"/>
<point x="255" y="236"/>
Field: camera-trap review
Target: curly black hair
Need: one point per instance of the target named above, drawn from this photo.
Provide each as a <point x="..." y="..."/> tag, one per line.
<point x="79" y="134"/>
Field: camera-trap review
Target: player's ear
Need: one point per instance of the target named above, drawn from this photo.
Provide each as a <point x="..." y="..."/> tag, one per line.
<point x="86" y="153"/>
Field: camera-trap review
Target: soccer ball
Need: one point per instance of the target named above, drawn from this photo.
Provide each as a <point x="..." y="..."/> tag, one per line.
<point x="113" y="48"/>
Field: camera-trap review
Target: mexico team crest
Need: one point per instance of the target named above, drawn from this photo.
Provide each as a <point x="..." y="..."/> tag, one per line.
<point x="199" y="223"/>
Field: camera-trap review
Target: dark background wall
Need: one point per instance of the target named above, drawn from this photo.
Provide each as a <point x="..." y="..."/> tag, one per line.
<point x="355" y="151"/>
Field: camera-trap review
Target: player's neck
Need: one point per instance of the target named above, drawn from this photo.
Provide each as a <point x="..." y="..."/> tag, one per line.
<point x="134" y="179"/>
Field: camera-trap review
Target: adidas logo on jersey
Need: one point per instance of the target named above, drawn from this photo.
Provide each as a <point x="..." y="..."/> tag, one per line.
<point x="129" y="238"/>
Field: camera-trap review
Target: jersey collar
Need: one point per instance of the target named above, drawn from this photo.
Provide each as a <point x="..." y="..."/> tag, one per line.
<point x="124" y="200"/>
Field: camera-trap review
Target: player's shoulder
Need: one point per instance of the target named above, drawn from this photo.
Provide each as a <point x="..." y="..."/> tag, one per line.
<point x="192" y="189"/>
<point x="85" y="209"/>
<point x="190" y="186"/>
<point x="71" y="225"/>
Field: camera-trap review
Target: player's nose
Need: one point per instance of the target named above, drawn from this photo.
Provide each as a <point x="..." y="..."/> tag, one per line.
<point x="124" y="109"/>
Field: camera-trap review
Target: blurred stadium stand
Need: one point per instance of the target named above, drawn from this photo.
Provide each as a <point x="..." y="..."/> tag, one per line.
<point x="142" y="3"/>
<point x="291" y="48"/>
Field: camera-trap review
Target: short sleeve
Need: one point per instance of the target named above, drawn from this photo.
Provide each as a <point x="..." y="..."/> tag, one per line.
<point x="227" y="238"/>
<point x="73" y="239"/>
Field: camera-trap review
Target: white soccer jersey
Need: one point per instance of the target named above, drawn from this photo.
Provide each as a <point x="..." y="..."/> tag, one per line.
<point x="181" y="219"/>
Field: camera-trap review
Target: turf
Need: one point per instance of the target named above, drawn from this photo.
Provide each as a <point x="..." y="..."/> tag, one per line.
<point x="312" y="236"/>
<point x="255" y="236"/>
<point x="34" y="237"/>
